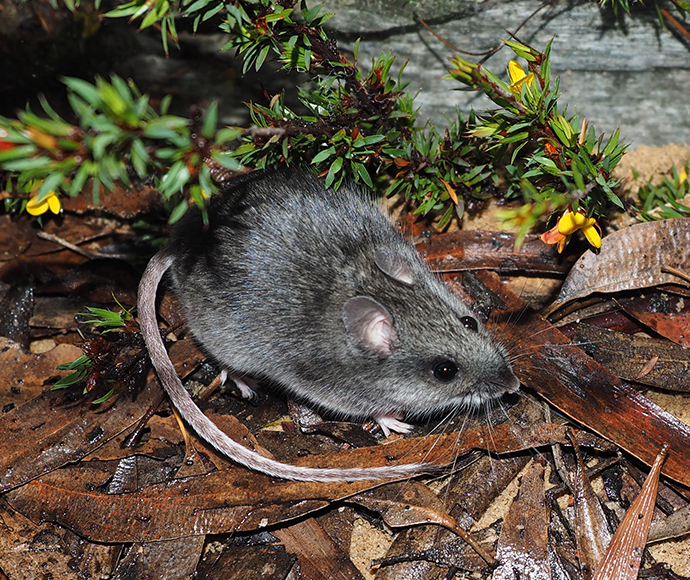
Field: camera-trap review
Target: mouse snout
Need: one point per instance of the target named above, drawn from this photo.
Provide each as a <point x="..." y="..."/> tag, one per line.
<point x="496" y="385"/>
<point x="512" y="385"/>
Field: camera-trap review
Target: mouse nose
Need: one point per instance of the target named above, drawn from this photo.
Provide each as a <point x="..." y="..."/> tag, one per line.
<point x="512" y="384"/>
<point x="503" y="383"/>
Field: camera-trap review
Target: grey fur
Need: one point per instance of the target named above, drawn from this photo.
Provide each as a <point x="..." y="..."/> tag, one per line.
<point x="264" y="290"/>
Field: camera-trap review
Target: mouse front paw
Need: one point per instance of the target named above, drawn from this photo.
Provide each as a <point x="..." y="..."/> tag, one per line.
<point x="391" y="422"/>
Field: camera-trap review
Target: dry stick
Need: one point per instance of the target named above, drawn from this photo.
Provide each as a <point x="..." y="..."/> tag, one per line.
<point x="451" y="46"/>
<point x="486" y="54"/>
<point x="591" y="473"/>
<point x="450" y="524"/>
<point x="536" y="10"/>
<point x="133" y="438"/>
<point x="675" y="23"/>
<point x="70" y="246"/>
<point x="525" y="21"/>
<point x="476" y="546"/>
<point x="212" y="387"/>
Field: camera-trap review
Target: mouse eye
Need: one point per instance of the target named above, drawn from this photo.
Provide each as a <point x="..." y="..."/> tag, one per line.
<point x="445" y="370"/>
<point x="469" y="323"/>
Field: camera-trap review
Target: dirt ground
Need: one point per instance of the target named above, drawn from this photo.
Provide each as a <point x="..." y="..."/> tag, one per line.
<point x="650" y="162"/>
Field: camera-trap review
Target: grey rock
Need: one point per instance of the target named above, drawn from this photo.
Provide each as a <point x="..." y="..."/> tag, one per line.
<point x="625" y="71"/>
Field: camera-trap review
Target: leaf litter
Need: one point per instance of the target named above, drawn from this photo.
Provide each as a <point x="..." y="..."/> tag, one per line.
<point x="80" y="478"/>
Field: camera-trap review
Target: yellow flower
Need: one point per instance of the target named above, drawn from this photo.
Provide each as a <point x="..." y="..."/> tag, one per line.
<point x="568" y="224"/>
<point x="682" y="175"/>
<point x="518" y="77"/>
<point x="572" y="221"/>
<point x="36" y="207"/>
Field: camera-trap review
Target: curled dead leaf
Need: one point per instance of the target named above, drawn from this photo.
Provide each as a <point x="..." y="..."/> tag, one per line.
<point x="630" y="258"/>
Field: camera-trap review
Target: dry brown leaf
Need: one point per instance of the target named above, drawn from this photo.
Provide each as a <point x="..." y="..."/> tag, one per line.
<point x="563" y="550"/>
<point x="172" y="559"/>
<point x="665" y="313"/>
<point x="63" y="434"/>
<point x="24" y="374"/>
<point x="320" y="558"/>
<point x="630" y="258"/>
<point x="413" y="503"/>
<point x="674" y="526"/>
<point x="426" y="551"/>
<point x="652" y="361"/>
<point x="219" y="502"/>
<point x="591" y="528"/>
<point x="623" y="558"/>
<point x="406" y="504"/>
<point x="421" y="551"/>
<point x="237" y="562"/>
<point x="482" y="250"/>
<point x="29" y="551"/>
<point x="523" y="550"/>
<point x="95" y="281"/>
<point x="647" y="368"/>
<point x="582" y="389"/>
<point x="238" y="499"/>
<point x="119" y="201"/>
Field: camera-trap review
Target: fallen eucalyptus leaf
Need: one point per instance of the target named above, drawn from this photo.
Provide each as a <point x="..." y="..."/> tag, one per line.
<point x="169" y="559"/>
<point x="640" y="358"/>
<point x="623" y="558"/>
<point x="320" y="557"/>
<point x="561" y="373"/>
<point x="674" y="526"/>
<point x="412" y="503"/>
<point x="591" y="529"/>
<point x="483" y="250"/>
<point x="237" y="499"/>
<point x="663" y="312"/>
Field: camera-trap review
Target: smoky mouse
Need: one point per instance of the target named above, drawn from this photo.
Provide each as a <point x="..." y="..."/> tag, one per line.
<point x="315" y="291"/>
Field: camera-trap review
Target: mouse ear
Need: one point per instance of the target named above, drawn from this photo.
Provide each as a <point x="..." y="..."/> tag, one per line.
<point x="369" y="325"/>
<point x="394" y="265"/>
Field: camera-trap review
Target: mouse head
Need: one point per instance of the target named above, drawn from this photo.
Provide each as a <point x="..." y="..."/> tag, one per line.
<point x="426" y="350"/>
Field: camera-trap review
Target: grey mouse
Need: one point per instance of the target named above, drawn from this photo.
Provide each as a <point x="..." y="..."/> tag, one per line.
<point x="315" y="291"/>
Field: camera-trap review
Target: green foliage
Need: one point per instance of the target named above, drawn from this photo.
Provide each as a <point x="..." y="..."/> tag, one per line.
<point x="663" y="201"/>
<point x="359" y="125"/>
<point x="106" y="362"/>
<point x="120" y="137"/>
<point x="80" y="368"/>
<point x="552" y="161"/>
<point x="107" y="320"/>
<point x="618" y="6"/>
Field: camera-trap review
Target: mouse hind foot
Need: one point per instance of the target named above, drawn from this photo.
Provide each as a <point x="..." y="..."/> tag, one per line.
<point x="246" y="385"/>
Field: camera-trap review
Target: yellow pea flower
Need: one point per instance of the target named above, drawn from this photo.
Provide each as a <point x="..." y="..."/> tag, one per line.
<point x="518" y="77"/>
<point x="570" y="222"/>
<point x="52" y="203"/>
